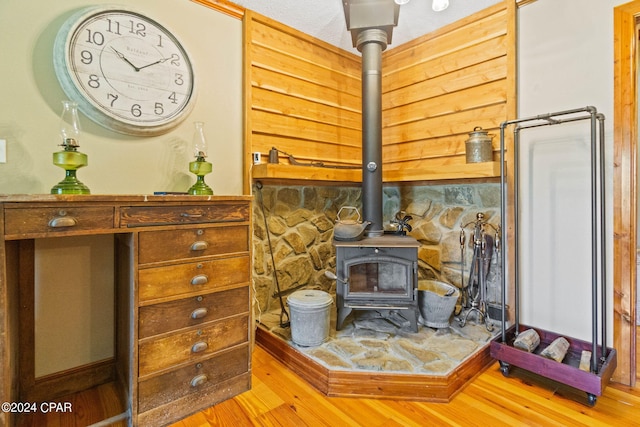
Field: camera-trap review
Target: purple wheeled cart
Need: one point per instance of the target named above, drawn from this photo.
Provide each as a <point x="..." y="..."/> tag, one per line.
<point x="603" y="359"/>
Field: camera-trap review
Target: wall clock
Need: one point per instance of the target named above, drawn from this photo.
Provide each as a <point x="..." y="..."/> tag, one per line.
<point x="127" y="72"/>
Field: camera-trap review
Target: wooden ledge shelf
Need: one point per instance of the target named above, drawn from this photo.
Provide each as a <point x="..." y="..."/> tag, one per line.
<point x="313" y="173"/>
<point x="305" y="173"/>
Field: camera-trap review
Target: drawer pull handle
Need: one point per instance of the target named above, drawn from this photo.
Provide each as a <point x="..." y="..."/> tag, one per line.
<point x="199" y="246"/>
<point x="199" y="313"/>
<point x="200" y="279"/>
<point x="188" y="215"/>
<point x="199" y="347"/>
<point x="199" y="380"/>
<point x="62" y="221"/>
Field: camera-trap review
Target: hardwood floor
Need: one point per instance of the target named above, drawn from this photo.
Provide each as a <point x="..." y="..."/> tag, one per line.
<point x="280" y="398"/>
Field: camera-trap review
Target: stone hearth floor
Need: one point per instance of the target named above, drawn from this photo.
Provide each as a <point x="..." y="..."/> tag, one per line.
<point x="368" y="342"/>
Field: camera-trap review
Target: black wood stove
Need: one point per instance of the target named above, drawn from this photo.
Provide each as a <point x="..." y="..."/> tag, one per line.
<point x="378" y="273"/>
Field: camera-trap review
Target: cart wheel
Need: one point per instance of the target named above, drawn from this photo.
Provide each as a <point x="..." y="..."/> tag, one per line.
<point x="591" y="399"/>
<point x="504" y="368"/>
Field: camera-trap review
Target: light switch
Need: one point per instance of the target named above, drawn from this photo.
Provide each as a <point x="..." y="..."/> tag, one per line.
<point x="3" y="151"/>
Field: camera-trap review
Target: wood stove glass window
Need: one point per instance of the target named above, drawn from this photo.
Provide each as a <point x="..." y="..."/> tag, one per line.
<point x="380" y="277"/>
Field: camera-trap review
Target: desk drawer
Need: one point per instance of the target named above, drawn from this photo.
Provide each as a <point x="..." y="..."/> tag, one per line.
<point x="167" y="245"/>
<point x="196" y="378"/>
<point x="58" y="220"/>
<point x="184" y="279"/>
<point x="191" y="346"/>
<point x="165" y="317"/>
<point x="141" y="216"/>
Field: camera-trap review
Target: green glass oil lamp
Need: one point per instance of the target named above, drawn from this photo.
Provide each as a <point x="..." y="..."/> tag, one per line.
<point x="200" y="167"/>
<point x="69" y="158"/>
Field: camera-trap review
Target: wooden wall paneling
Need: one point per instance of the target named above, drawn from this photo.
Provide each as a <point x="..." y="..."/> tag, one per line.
<point x="303" y="95"/>
<point x="478" y="28"/>
<point x="456" y="125"/>
<point x="269" y="100"/>
<point x="467" y="98"/>
<point x="440" y="84"/>
<point x="438" y="88"/>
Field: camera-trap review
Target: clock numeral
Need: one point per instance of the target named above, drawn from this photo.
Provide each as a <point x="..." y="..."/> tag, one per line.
<point x="138" y="28"/>
<point x="160" y="40"/>
<point x="94" y="81"/>
<point x="179" y="80"/>
<point x="113" y="97"/>
<point x="173" y="98"/>
<point x="95" y="37"/>
<point x="113" y="27"/>
<point x="86" y="57"/>
<point x="136" y="110"/>
<point x="159" y="109"/>
<point x="175" y="60"/>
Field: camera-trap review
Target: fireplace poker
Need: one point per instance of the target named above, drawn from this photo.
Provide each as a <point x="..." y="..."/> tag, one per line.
<point x="283" y="310"/>
<point x="273" y="158"/>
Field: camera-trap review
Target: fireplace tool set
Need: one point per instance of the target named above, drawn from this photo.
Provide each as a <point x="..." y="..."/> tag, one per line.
<point x="474" y="294"/>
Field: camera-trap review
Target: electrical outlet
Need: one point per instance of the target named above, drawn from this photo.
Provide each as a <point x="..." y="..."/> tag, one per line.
<point x="3" y="151"/>
<point x="256" y="158"/>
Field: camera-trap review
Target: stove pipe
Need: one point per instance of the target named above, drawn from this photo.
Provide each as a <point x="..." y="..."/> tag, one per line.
<point x="372" y="42"/>
<point x="371" y="24"/>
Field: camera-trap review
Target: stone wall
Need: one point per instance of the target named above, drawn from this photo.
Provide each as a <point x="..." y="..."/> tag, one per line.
<point x="300" y="222"/>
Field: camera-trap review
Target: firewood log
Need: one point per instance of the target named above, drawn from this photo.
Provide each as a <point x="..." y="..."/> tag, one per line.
<point x="585" y="361"/>
<point x="556" y="350"/>
<point x="527" y="340"/>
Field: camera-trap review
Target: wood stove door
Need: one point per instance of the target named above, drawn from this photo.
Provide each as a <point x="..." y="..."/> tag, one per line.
<point x="380" y="278"/>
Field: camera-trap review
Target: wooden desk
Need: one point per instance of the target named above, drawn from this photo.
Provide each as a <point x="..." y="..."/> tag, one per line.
<point x="183" y="306"/>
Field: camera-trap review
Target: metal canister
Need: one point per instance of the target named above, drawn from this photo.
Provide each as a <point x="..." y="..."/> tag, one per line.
<point x="273" y="155"/>
<point x="478" y="146"/>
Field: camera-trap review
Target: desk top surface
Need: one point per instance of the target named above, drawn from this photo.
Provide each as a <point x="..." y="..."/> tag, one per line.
<point x="115" y="198"/>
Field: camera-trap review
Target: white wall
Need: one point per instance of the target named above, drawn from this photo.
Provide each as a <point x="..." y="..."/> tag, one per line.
<point x="118" y="164"/>
<point x="565" y="62"/>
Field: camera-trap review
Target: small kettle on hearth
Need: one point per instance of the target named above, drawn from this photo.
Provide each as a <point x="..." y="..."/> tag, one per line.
<point x="349" y="229"/>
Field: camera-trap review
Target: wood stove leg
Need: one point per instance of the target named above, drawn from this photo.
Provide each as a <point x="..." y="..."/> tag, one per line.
<point x="413" y="318"/>
<point x="343" y="312"/>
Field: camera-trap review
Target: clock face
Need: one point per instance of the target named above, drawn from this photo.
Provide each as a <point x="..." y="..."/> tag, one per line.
<point x="125" y="71"/>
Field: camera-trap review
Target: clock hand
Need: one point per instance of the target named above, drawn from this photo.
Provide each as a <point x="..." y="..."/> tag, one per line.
<point x="124" y="58"/>
<point x="153" y="63"/>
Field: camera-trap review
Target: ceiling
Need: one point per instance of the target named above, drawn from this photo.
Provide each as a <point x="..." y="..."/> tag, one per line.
<point x="324" y="19"/>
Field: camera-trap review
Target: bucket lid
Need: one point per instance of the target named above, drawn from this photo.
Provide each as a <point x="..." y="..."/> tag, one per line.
<point x="311" y="298"/>
<point x="479" y="135"/>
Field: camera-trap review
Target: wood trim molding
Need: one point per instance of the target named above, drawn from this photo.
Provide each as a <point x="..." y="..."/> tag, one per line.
<point x="521" y="3"/>
<point x="223" y="6"/>
<point x="625" y="189"/>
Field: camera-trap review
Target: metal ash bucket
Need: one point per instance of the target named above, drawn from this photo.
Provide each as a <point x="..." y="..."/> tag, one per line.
<point x="309" y="317"/>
